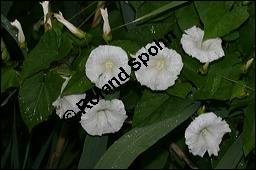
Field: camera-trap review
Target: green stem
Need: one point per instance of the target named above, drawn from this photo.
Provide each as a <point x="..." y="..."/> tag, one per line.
<point x="237" y="82"/>
<point x="81" y="11"/>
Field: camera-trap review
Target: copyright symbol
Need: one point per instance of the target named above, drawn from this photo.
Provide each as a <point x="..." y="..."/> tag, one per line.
<point x="68" y="115"/>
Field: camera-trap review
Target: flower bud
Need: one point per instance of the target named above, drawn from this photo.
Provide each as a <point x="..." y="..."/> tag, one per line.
<point x="246" y="66"/>
<point x="106" y="27"/>
<point x="48" y="23"/>
<point x="76" y="31"/>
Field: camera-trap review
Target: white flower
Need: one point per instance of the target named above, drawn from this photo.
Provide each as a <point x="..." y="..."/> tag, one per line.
<point x="105" y="62"/>
<point x="205" y="51"/>
<point x="106" y="27"/>
<point x="67" y="104"/>
<point x="21" y="36"/>
<point x="76" y="31"/>
<point x="105" y="117"/>
<point x="162" y="68"/>
<point x="205" y="134"/>
<point x="45" y="5"/>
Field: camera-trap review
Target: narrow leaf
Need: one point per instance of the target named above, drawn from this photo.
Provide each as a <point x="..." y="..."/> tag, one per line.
<point x="94" y="148"/>
<point x="123" y="152"/>
<point x="249" y="128"/>
<point x="232" y="156"/>
<point x="11" y="29"/>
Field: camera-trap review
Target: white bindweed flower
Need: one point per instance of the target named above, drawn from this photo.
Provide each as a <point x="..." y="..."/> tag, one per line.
<point x="21" y="36"/>
<point x="205" y="51"/>
<point x="76" y="31"/>
<point x="106" y="27"/>
<point x="67" y="104"/>
<point x="45" y="5"/>
<point x="105" y="117"/>
<point x="162" y="68"/>
<point x="106" y="62"/>
<point x="205" y="134"/>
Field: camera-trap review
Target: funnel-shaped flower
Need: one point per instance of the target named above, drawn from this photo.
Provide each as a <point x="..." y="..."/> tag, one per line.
<point x="76" y="31"/>
<point x="205" y="134"/>
<point x="205" y="51"/>
<point x="106" y="27"/>
<point x="105" y="117"/>
<point x="163" y="68"/>
<point x="21" y="36"/>
<point x="48" y="23"/>
<point x="106" y="62"/>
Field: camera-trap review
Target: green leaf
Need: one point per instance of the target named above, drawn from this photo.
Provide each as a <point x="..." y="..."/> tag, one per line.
<point x="11" y="29"/>
<point x="42" y="55"/>
<point x="187" y="17"/>
<point x="202" y="8"/>
<point x="36" y="96"/>
<point x="161" y="9"/>
<point x="228" y="66"/>
<point x="238" y="90"/>
<point x="220" y="21"/>
<point x="149" y="6"/>
<point x="136" y="4"/>
<point x="157" y="161"/>
<point x="9" y="78"/>
<point x="180" y="89"/>
<point x="78" y="83"/>
<point x="249" y="129"/>
<point x="232" y="156"/>
<point x="64" y="49"/>
<point x="232" y="36"/>
<point x="130" y="94"/>
<point x="144" y="35"/>
<point x="78" y="41"/>
<point x="94" y="148"/>
<point x="124" y="151"/>
<point x="215" y="88"/>
<point x="5" y="7"/>
<point x="155" y="107"/>
<point x="15" y="157"/>
<point x="189" y="71"/>
<point x="127" y="45"/>
<point x="246" y="42"/>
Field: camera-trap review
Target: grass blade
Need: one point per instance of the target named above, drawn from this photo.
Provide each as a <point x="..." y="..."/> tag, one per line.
<point x="6" y="155"/>
<point x="42" y="152"/>
<point x="125" y="150"/>
<point x="7" y="25"/>
<point x="15" y="163"/>
<point x="233" y="155"/>
<point x="158" y="11"/>
<point x="94" y="148"/>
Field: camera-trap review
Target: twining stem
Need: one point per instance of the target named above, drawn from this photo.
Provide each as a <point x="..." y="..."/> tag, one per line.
<point x="181" y="155"/>
<point x="58" y="68"/>
<point x="237" y="82"/>
<point x="61" y="141"/>
<point x="81" y="11"/>
<point x="90" y="15"/>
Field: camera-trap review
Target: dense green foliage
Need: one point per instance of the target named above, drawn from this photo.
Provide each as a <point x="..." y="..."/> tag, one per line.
<point x="33" y="136"/>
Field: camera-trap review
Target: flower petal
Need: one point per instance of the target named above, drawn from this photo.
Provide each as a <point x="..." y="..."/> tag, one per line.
<point x="205" y="51"/>
<point x="97" y="68"/>
<point x="162" y="70"/>
<point x="104" y="117"/>
<point x="205" y="134"/>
